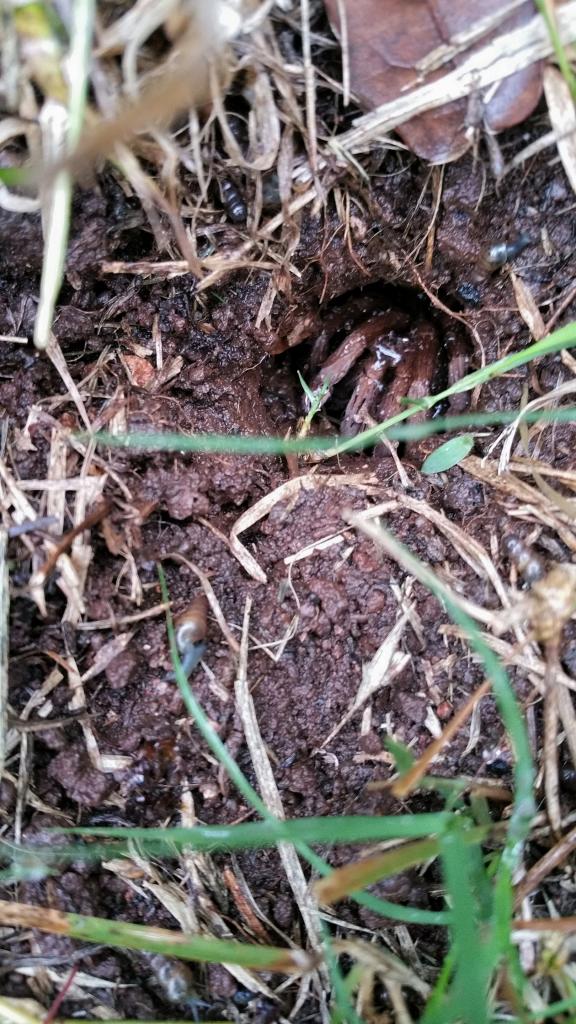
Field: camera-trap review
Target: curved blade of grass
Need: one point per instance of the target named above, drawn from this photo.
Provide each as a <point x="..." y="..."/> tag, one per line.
<point x="125" y="935"/>
<point x="499" y="942"/>
<point x="524" y="806"/>
<point x="359" y="874"/>
<point x="258" y="445"/>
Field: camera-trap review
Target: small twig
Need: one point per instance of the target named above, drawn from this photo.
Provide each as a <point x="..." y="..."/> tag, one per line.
<point x="91" y="519"/>
<point x="551" y="776"/>
<point x="43" y="724"/>
<point x="56" y="1004"/>
<point x="551" y="860"/>
<point x="310" y="85"/>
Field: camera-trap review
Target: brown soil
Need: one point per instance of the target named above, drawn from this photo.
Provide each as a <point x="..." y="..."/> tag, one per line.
<point x="169" y="503"/>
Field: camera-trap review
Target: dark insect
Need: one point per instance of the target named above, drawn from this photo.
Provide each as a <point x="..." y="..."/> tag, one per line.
<point x="530" y="565"/>
<point x="498" y="761"/>
<point x="503" y="252"/>
<point x="233" y="202"/>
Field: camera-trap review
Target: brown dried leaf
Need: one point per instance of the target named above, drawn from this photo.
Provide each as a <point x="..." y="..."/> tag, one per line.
<point x="389" y="42"/>
<point x="141" y="373"/>
<point x="527" y="307"/>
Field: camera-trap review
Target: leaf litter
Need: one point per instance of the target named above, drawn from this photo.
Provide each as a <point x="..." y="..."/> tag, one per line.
<point x="233" y="311"/>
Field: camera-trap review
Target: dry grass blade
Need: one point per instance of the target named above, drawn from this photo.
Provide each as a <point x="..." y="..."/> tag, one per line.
<point x="287" y="490"/>
<point x="469" y="549"/>
<point x="181" y="82"/>
<point x="383" y="963"/>
<point x="386" y="665"/>
<point x="309" y="78"/>
<point x="58" y="360"/>
<point x="527" y="308"/>
<point x="551" y="605"/>
<point x="472" y="33"/>
<point x="271" y="795"/>
<point x="563" y="925"/>
<point x="563" y="119"/>
<point x="511" y="487"/>
<point x="410" y="780"/>
<point x="413" y="776"/>
<point x="106" y="654"/>
<point x="542" y="402"/>
<point x="551" y="860"/>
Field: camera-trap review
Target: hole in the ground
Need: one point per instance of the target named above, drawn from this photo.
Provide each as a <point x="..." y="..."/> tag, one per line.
<point x="373" y="347"/>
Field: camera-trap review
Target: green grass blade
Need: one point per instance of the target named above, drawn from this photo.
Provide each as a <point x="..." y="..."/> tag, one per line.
<point x="252" y="835"/>
<point x="547" y="11"/>
<point x="257" y="445"/>
<point x="125" y="935"/>
<point x="469" y="992"/>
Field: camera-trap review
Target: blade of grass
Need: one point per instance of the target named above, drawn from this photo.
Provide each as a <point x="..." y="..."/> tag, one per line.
<point x="258" y="445"/>
<point x="359" y="874"/>
<point x="347" y="829"/>
<point x="524" y="806"/>
<point x="499" y="941"/>
<point x="126" y="935"/>
<point x="468" y="997"/>
<point x="546" y="8"/>
<point x="58" y="221"/>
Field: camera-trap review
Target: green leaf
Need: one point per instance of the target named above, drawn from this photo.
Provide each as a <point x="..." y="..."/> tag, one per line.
<point x="306" y="389"/>
<point x="448" y="454"/>
<point x="403" y="757"/>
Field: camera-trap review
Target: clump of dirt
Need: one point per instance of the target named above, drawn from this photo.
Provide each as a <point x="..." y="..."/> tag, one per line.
<point x="236" y="377"/>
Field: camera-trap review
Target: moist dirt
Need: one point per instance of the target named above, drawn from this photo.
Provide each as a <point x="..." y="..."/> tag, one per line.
<point x="240" y="376"/>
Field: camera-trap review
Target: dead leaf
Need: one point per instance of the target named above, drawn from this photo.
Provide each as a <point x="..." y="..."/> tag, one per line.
<point x="527" y="307"/>
<point x="563" y="118"/>
<point x="391" y="43"/>
<point x="141" y="373"/>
